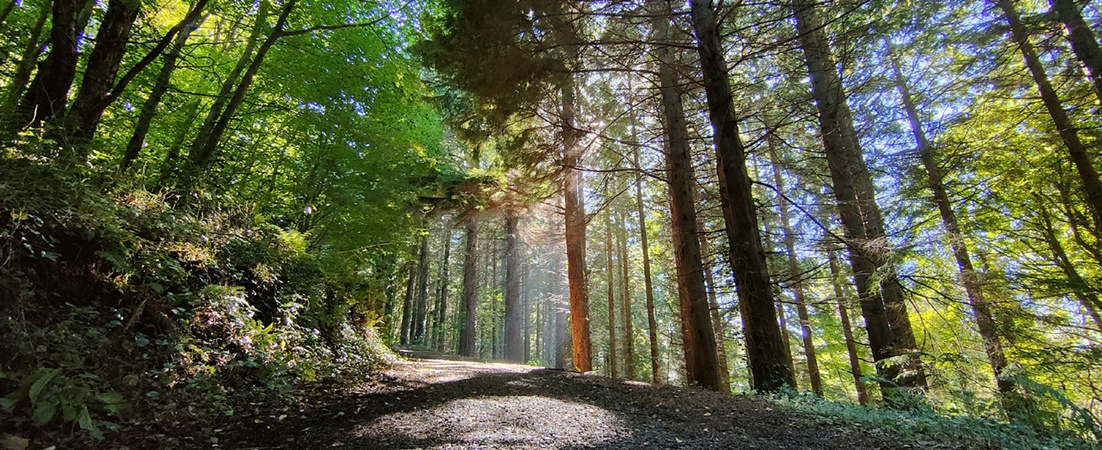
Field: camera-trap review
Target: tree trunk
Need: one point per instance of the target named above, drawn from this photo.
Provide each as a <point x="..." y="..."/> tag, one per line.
<point x="1082" y="40"/>
<point x="713" y="304"/>
<point x="885" y="312"/>
<point x="420" y="307"/>
<point x="980" y="307"/>
<point x="847" y="331"/>
<point x="1077" y="151"/>
<point x="795" y="277"/>
<point x="203" y="150"/>
<point x="391" y="296"/>
<point x="1086" y="294"/>
<point x="467" y="334"/>
<point x="526" y="302"/>
<point x="407" y="304"/>
<point x="442" y="300"/>
<point x="609" y="271"/>
<point x="48" y="93"/>
<point x="514" y="321"/>
<point x="765" y="347"/>
<point x="160" y="87"/>
<point x="573" y="191"/>
<point x="698" y="339"/>
<point x="625" y="300"/>
<point x="644" y="244"/>
<point x="27" y="60"/>
<point x="103" y="66"/>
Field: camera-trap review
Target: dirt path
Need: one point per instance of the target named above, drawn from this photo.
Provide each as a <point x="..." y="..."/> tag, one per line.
<point x="443" y="404"/>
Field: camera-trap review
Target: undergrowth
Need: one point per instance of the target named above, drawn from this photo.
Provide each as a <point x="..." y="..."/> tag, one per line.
<point x="931" y="429"/>
<point x="118" y="304"/>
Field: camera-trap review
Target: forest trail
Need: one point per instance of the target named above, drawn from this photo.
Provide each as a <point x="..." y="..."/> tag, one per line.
<point x="429" y="402"/>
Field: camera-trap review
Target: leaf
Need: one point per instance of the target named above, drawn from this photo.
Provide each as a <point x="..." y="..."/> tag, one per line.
<point x="8" y="404"/>
<point x="85" y="421"/>
<point x="43" y="413"/>
<point x="41" y="382"/>
<point x="112" y="401"/>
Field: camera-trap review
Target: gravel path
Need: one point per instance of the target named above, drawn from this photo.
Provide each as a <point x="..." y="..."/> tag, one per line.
<point x="448" y="404"/>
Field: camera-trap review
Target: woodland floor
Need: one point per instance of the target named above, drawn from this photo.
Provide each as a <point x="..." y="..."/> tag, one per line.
<point x="432" y="402"/>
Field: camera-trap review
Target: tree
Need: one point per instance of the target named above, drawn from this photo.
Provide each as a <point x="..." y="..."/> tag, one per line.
<point x="698" y="339"/>
<point x="514" y="324"/>
<point x="885" y="312"/>
<point x="764" y="345"/>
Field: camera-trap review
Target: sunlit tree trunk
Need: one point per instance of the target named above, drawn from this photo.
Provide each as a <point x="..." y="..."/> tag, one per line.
<point x="1077" y="151"/>
<point x="764" y="345"/>
<point x="17" y="85"/>
<point x="1082" y="290"/>
<point x="203" y="148"/>
<point x="160" y="87"/>
<point x="697" y="336"/>
<point x="1082" y="39"/>
<point x="514" y="321"/>
<point x="467" y="333"/>
<point x="153" y="101"/>
<point x="420" y="307"/>
<point x="625" y="301"/>
<point x="573" y="190"/>
<point x="883" y="306"/>
<point x="981" y="309"/>
<point x="609" y="271"/>
<point x="644" y="244"/>
<point x="795" y="276"/>
<point x="847" y="331"/>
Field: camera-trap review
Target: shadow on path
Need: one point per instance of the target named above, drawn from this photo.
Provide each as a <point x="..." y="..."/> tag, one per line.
<point x="435" y="403"/>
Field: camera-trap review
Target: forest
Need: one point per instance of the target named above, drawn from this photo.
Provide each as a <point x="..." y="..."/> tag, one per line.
<point x="834" y="203"/>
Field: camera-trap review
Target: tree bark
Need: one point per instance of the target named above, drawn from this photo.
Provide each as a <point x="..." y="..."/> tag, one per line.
<point x="885" y="313"/>
<point x="713" y="304"/>
<point x="795" y="277"/>
<point x="420" y="307"/>
<point x="981" y="309"/>
<point x="625" y="300"/>
<point x="644" y="244"/>
<point x="203" y="149"/>
<point x="48" y="93"/>
<point x="514" y="323"/>
<point x="847" y="331"/>
<point x="698" y="338"/>
<point x="407" y="304"/>
<point x="439" y="335"/>
<point x="27" y="60"/>
<point x="467" y="334"/>
<point x="765" y="347"/>
<point x="609" y="271"/>
<point x="1077" y="151"/>
<point x="1082" y="40"/>
<point x="573" y="191"/>
<point x="153" y="101"/>
<point x="103" y="66"/>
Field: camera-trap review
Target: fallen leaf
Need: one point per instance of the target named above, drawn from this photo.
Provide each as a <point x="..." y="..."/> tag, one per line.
<point x="13" y="442"/>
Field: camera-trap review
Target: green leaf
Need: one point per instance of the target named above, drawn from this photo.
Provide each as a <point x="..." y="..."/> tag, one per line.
<point x="85" y="421"/>
<point x="43" y="413"/>
<point x="8" y="404"/>
<point x="112" y="401"/>
<point x="44" y="376"/>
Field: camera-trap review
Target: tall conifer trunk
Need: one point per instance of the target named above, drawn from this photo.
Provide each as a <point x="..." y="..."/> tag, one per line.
<point x="981" y="309"/>
<point x="698" y="339"/>
<point x="1083" y="42"/>
<point x="764" y="345"/>
<point x="1077" y="151"/>
<point x="468" y="332"/>
<point x="884" y="309"/>
<point x="514" y="324"/>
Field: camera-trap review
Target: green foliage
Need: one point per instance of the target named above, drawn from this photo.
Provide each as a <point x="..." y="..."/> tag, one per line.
<point x="123" y="300"/>
<point x="926" y="428"/>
